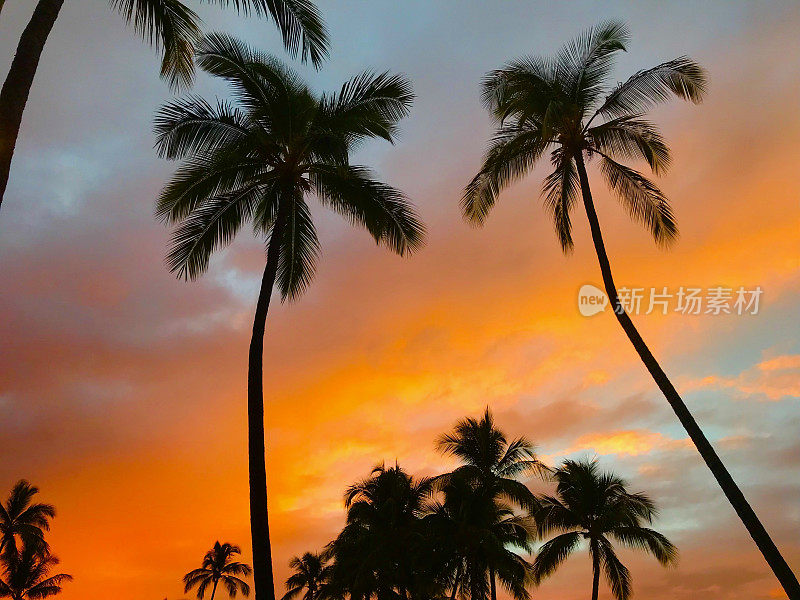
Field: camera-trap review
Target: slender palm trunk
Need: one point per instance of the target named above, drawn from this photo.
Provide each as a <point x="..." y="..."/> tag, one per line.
<point x="595" y="552"/>
<point x="757" y="531"/>
<point x="259" y="521"/>
<point x="17" y="86"/>
<point x="214" y="589"/>
<point x="492" y="584"/>
<point x="456" y="581"/>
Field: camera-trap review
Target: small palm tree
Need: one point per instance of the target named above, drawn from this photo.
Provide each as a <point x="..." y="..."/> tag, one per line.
<point x="169" y="25"/>
<point x="491" y="464"/>
<point x="311" y="573"/>
<point x="27" y="577"/>
<point x="564" y="105"/>
<point x="597" y="507"/>
<point x="23" y="520"/>
<point x="381" y="552"/>
<point x="257" y="162"/>
<point x="219" y="566"/>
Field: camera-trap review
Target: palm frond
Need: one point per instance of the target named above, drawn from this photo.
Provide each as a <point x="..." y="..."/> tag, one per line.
<point x="299" y="21"/>
<point x="617" y="574"/>
<point x="381" y="209"/>
<point x="191" y="125"/>
<point x="299" y="250"/>
<point x="172" y="28"/>
<point x="631" y="137"/>
<point x="681" y="77"/>
<point x="643" y="200"/>
<point x="560" y="191"/>
<point x="648" y="540"/>
<point x="552" y="554"/>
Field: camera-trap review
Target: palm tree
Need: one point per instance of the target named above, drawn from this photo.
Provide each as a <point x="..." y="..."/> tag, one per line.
<point x="27" y="577"/>
<point x="170" y="26"/>
<point x="563" y="104"/>
<point x="219" y="566"/>
<point x="257" y="162"/>
<point x="491" y="463"/>
<point x="382" y="552"/>
<point x="477" y="535"/>
<point x="597" y="507"/>
<point x="311" y="573"/>
<point x="24" y="520"/>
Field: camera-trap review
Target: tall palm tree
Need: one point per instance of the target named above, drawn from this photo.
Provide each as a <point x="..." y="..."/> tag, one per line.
<point x="25" y="521"/>
<point x="257" y="162"/>
<point x="27" y="577"/>
<point x="311" y="573"/>
<point x="491" y="464"/>
<point x="170" y="26"/>
<point x="479" y="536"/>
<point x="564" y="105"/>
<point x="381" y="552"/>
<point x="219" y="566"/>
<point x="596" y="507"/>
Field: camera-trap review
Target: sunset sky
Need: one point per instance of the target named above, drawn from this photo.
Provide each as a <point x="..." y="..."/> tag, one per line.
<point x="122" y="389"/>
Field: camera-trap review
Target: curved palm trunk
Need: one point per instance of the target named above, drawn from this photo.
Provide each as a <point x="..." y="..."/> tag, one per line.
<point x="17" y="86"/>
<point x="754" y="527"/>
<point x="492" y="584"/>
<point x="259" y="521"/>
<point x="214" y="589"/>
<point x="594" y="550"/>
<point x="456" y="581"/>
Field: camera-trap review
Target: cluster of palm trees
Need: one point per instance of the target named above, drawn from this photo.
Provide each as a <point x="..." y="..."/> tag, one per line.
<point x="465" y="533"/>
<point x="258" y="158"/>
<point x="26" y="563"/>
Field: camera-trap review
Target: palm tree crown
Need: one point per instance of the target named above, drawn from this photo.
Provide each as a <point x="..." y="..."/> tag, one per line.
<point x="597" y="507"/>
<point x="257" y="161"/>
<point x="27" y="577"/>
<point x="219" y="566"/>
<point x="25" y="521"/>
<point x="566" y="105"/>
<point x="311" y="573"/>
<point x="490" y="460"/>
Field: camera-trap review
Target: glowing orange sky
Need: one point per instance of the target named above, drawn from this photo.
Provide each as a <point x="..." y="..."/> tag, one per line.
<point x="122" y="390"/>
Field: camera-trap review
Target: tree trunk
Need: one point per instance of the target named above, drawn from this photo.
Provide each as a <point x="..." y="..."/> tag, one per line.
<point x="17" y="86"/>
<point x="492" y="584"/>
<point x="214" y="589"/>
<point x="259" y="521"/>
<point x="457" y="580"/>
<point x="757" y="531"/>
<point x="594" y="550"/>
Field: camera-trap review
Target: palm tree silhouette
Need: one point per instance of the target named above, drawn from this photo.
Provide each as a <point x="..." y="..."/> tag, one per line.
<point x="311" y="573"/>
<point x="24" y="520"/>
<point x="381" y="552"/>
<point x="597" y="507"/>
<point x="491" y="464"/>
<point x="169" y="25"/>
<point x="218" y="567"/>
<point x="552" y="104"/>
<point x="27" y="576"/>
<point x="478" y="536"/>
<point x="256" y="163"/>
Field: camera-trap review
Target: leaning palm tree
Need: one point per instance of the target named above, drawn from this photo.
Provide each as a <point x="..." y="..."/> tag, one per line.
<point x="596" y="507"/>
<point x="219" y="566"/>
<point x="25" y="521"/>
<point x="563" y="105"/>
<point x="169" y="25"/>
<point x="311" y="573"/>
<point x="27" y="577"/>
<point x="256" y="162"/>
